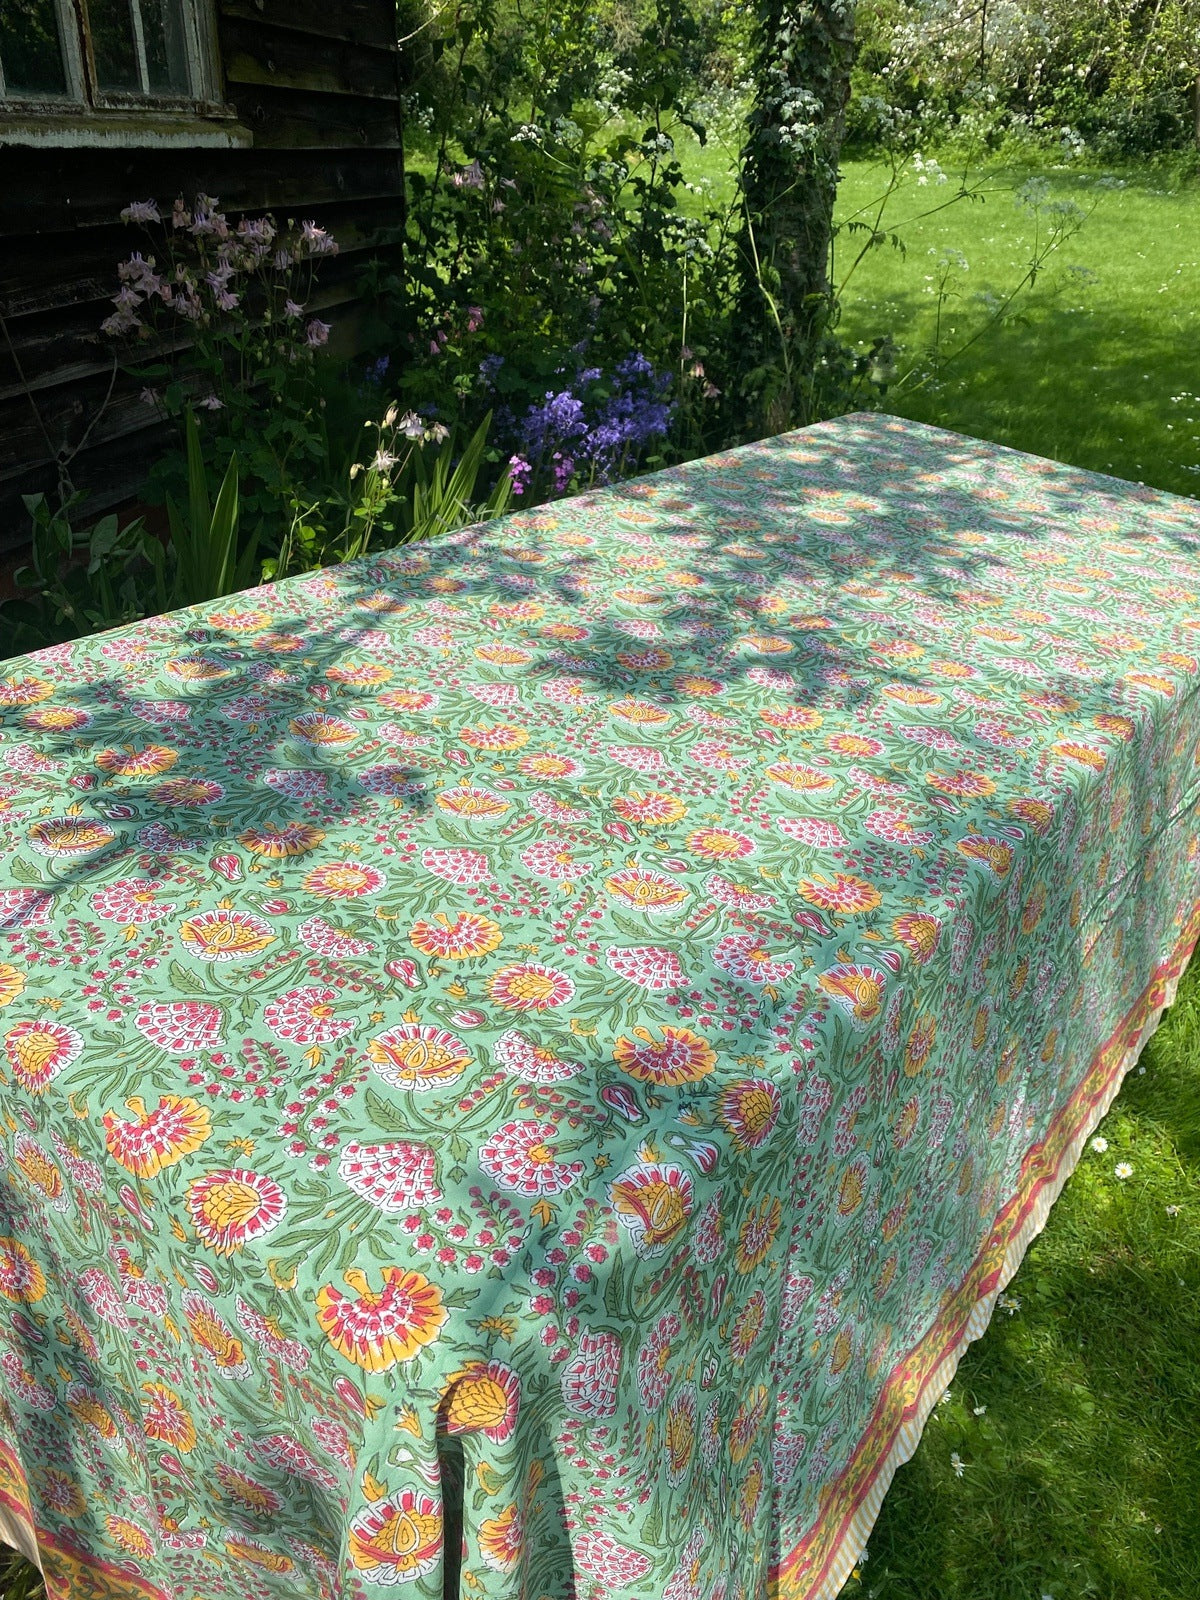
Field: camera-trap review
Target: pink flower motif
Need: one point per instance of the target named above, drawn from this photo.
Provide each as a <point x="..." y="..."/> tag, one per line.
<point x="316" y="333"/>
<point x="394" y="783"/>
<point x="614" y="1565"/>
<point x="392" y="1177"/>
<point x="306" y="1016"/>
<point x="531" y="1062"/>
<point x="266" y="1334"/>
<point x="589" y="1378"/>
<point x="132" y="901"/>
<point x="814" y="831"/>
<point x="743" y="957"/>
<point x="520" y="1157"/>
<point x="550" y="860"/>
<point x="714" y="756"/>
<point x="24" y="908"/>
<point x="334" y="1438"/>
<point x="654" y="1372"/>
<point x="637" y="757"/>
<point x="555" y="810"/>
<point x="896" y="828"/>
<point x="181" y="1027"/>
<point x="101" y="1294"/>
<point x="327" y="940"/>
<point x="287" y="1455"/>
<point x="297" y="783"/>
<point x="737" y="896"/>
<point x="459" y="867"/>
<point x="649" y="966"/>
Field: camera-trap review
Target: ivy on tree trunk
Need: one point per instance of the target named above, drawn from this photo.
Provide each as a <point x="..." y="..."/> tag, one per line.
<point x="803" y="54"/>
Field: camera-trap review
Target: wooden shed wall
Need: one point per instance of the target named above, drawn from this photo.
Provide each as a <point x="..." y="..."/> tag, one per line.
<point x="317" y="87"/>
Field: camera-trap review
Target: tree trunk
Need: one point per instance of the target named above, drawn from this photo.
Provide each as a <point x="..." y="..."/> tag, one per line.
<point x="804" y="50"/>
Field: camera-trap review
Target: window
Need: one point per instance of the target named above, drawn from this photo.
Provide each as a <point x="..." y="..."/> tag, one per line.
<point x="105" y="54"/>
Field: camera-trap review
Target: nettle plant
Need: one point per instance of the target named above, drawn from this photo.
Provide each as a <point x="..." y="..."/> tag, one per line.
<point x="224" y="308"/>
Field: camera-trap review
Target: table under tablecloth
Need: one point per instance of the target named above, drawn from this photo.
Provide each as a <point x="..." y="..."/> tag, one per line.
<point x="566" y="1030"/>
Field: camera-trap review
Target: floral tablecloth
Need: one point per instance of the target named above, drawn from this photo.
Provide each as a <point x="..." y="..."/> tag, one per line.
<point x="564" y="1033"/>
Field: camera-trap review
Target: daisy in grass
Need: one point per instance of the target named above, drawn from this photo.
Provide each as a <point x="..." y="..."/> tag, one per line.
<point x="1123" y="1170"/>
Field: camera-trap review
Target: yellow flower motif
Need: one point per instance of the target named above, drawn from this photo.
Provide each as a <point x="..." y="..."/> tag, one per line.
<point x="467" y="936"/>
<point x="130" y="763"/>
<point x="293" y="839"/>
<point x="377" y="1328"/>
<point x="12" y="983"/>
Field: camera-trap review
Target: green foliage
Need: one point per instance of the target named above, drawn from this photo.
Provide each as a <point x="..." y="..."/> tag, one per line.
<point x="204" y="543"/>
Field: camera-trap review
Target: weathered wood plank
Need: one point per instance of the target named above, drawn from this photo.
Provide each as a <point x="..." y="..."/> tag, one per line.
<point x="294" y="119"/>
<point x="281" y="59"/>
<point x="358" y="21"/>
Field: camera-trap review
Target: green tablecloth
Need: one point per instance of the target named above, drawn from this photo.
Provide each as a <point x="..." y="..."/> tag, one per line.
<point x="584" y="1016"/>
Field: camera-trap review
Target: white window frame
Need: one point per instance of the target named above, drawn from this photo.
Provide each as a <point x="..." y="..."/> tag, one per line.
<point x="85" y="114"/>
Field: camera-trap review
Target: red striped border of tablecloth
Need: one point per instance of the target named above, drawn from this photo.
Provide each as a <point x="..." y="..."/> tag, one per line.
<point x="817" y="1567"/>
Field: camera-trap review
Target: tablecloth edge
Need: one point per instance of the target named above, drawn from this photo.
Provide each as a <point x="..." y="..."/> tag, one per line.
<point x="1155" y="999"/>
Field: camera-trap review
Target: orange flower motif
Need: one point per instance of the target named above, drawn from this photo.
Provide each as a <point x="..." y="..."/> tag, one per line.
<point x="908" y="695"/>
<point x="61" y="1492"/>
<point x="12" y="983"/>
<point x="854" y="744"/>
<point x="21" y="1278"/>
<point x="843" y="892"/>
<point x="920" y="1045"/>
<point x="378" y="1328"/>
<point x="526" y="986"/>
<point x="918" y="933"/>
<point x="470" y="801"/>
<point x="315" y="727"/>
<point x="719" y="844"/>
<point x="747" y="1420"/>
<point x="649" y="810"/>
<point x="408" y="700"/>
<point x="967" y="785"/>
<point x="680" y="1056"/>
<point x="653" y="1200"/>
<point x="359" y="674"/>
<point x="70" y="836"/>
<point x="757" y="1234"/>
<point x="646" y="891"/>
<point x="1122" y="728"/>
<point x="130" y="763"/>
<point x="56" y="719"/>
<point x="795" y="775"/>
<point x="792" y="719"/>
<point x="640" y="712"/>
<point x="855" y="990"/>
<point x="749" y="1109"/>
<point x="995" y="854"/>
<point x="691" y="683"/>
<point x="1085" y="755"/>
<point x="224" y="935"/>
<point x="243" y="1548"/>
<point x="38" y="1051"/>
<point x="467" y="936"/>
<point x="501" y="1539"/>
<point x="247" y="1491"/>
<point x="27" y="691"/>
<point x="397" y="1540"/>
<point x="176" y="1127"/>
<point x="503" y="736"/>
<point x="1039" y="814"/>
<point x="214" y="1335"/>
<point x="129" y="1537"/>
<point x="503" y="655"/>
<point x="166" y="1418"/>
<point x="292" y="839"/>
<point x="32" y="1160"/>
<point x="482" y="1398"/>
<point x="416" y="1055"/>
<point x="232" y="1206"/>
<point x="547" y="766"/>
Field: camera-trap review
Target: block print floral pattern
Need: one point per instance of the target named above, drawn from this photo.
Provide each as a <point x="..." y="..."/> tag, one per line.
<point x="546" y="1032"/>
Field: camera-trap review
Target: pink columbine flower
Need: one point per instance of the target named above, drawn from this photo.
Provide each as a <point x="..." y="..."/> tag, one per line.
<point x="291" y="309"/>
<point x="141" y="211"/>
<point x="316" y="333"/>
